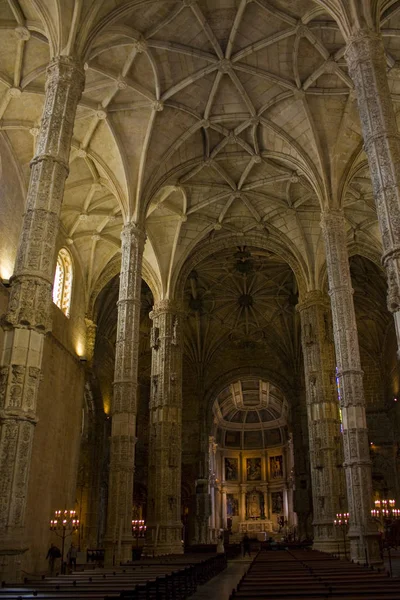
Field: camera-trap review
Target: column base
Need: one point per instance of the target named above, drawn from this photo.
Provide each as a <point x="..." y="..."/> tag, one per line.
<point x="327" y="539"/>
<point x="364" y="547"/>
<point x="115" y="553"/>
<point x="163" y="539"/>
<point x="11" y="554"/>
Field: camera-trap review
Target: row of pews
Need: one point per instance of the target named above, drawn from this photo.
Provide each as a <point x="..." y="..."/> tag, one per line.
<point x="163" y="578"/>
<point x="299" y="575"/>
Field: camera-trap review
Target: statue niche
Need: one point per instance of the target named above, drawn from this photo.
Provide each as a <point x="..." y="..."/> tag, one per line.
<point x="254" y="505"/>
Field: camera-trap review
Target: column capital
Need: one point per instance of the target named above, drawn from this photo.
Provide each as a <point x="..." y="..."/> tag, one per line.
<point x="168" y="305"/>
<point x="133" y="230"/>
<point x="313" y="298"/>
<point x="70" y="68"/>
<point x="332" y="218"/>
<point x="358" y="47"/>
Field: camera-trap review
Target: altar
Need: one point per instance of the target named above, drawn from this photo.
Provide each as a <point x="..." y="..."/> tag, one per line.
<point x="254" y="527"/>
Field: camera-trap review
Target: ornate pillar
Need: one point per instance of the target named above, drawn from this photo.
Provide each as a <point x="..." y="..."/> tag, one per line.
<point x="223" y="506"/>
<point x="366" y="60"/>
<point x="118" y="539"/>
<point x="30" y="306"/>
<point x="357" y="465"/>
<point x="264" y="488"/>
<point x="218" y="507"/>
<point x="323" y="417"/>
<point x="242" y="509"/>
<point x="212" y="480"/>
<point x="90" y="340"/>
<point x="285" y="503"/>
<point x="164" y="527"/>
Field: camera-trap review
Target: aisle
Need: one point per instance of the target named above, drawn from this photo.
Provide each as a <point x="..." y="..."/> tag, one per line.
<point x="221" y="586"/>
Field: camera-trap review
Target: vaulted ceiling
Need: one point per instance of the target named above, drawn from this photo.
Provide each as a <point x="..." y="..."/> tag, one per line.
<point x="208" y="119"/>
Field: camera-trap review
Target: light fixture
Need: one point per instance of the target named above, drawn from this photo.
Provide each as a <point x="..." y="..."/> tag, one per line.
<point x="63" y="524"/>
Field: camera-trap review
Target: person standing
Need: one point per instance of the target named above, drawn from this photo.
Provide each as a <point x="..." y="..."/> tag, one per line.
<point x="52" y="555"/>
<point x="246" y="545"/>
<point x="71" y="557"/>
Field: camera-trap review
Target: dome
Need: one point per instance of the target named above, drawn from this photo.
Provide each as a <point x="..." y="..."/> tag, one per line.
<point x="250" y="413"/>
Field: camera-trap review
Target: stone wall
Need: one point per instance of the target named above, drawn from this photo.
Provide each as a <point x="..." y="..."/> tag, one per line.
<point x="55" y="448"/>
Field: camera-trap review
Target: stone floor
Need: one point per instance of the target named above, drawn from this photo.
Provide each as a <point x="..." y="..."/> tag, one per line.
<point x="221" y="586"/>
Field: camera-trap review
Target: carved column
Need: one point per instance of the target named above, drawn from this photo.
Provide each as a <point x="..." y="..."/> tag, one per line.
<point x="118" y="540"/>
<point x="323" y="417"/>
<point x="242" y="509"/>
<point x="164" y="527"/>
<point x="218" y="507"/>
<point x="90" y="340"/>
<point x="223" y="512"/>
<point x="30" y="306"/>
<point x="366" y="60"/>
<point x="357" y="465"/>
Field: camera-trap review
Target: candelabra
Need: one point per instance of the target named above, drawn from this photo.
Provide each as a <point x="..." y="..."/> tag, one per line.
<point x="138" y="529"/>
<point x="385" y="513"/>
<point x="341" y="521"/>
<point x="64" y="524"/>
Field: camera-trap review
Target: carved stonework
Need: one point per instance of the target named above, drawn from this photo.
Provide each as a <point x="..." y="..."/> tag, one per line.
<point x="164" y="518"/>
<point x="124" y="403"/>
<point x="30" y="305"/>
<point x="366" y="59"/>
<point x="90" y="339"/>
<point x="357" y="465"/>
<point x="31" y="291"/>
<point x="323" y="417"/>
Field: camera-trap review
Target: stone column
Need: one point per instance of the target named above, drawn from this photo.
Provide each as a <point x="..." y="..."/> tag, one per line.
<point x="242" y="509"/>
<point x="366" y="60"/>
<point x="218" y="507"/>
<point x="90" y="340"/>
<point x="212" y="495"/>
<point x="118" y="539"/>
<point x="264" y="488"/>
<point x="223" y="512"/>
<point x="323" y="417"/>
<point x="164" y="527"/>
<point x="357" y="465"/>
<point x="30" y="306"/>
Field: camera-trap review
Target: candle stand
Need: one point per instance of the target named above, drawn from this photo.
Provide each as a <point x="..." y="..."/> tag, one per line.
<point x="138" y="531"/>
<point x="384" y="514"/>
<point x="341" y="522"/>
<point x="64" y="524"/>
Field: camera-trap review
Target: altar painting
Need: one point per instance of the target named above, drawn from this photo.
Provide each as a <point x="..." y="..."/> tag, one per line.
<point x="232" y="505"/>
<point x="253" y="469"/>
<point x="275" y="466"/>
<point x="231" y="469"/>
<point x="277" y="502"/>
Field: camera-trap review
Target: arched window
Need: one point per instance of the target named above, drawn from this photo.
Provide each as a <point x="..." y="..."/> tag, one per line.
<point x="62" y="288"/>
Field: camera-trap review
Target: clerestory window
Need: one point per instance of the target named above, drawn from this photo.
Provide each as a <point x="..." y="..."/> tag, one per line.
<point x="62" y="288"/>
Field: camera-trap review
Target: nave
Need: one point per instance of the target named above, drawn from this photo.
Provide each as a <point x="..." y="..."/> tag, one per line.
<point x="290" y="574"/>
<point x="199" y="277"/>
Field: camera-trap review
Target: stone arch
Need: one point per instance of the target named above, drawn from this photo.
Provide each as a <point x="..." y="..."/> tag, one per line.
<point x="354" y="248"/>
<point x="112" y="269"/>
<point x="270" y="242"/>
